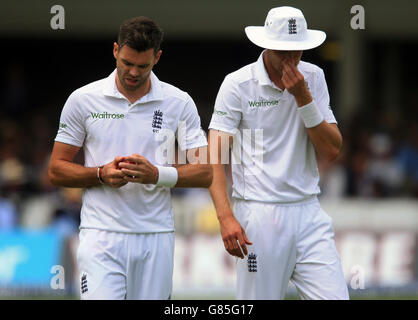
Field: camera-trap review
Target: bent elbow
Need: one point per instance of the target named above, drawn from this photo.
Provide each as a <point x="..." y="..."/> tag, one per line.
<point x="333" y="154"/>
<point x="334" y="150"/>
<point x="51" y="176"/>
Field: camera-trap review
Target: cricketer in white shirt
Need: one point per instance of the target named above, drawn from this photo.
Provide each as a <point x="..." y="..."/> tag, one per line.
<point x="98" y="118"/>
<point x="275" y="183"/>
<point x="287" y="170"/>
<point x="127" y="124"/>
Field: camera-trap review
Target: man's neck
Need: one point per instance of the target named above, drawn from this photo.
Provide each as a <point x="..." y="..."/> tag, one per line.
<point x="133" y="96"/>
<point x="274" y="74"/>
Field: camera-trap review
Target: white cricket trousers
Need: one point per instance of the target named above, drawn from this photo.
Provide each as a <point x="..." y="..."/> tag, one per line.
<point x="290" y="242"/>
<point x="133" y="266"/>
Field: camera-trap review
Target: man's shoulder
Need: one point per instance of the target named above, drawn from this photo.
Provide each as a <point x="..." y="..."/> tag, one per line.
<point x="95" y="87"/>
<point x="172" y="92"/>
<point x="242" y="74"/>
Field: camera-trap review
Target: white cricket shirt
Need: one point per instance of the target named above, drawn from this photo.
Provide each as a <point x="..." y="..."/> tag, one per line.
<point x="280" y="165"/>
<point x="100" y="119"/>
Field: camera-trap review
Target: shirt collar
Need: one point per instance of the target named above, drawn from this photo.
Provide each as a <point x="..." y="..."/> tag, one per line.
<point x="156" y="93"/>
<point x="260" y="72"/>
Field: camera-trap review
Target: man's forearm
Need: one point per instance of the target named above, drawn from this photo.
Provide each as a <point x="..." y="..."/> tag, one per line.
<point x="194" y="176"/>
<point x="325" y="137"/>
<point x="327" y="140"/>
<point x="218" y="192"/>
<point x="71" y="175"/>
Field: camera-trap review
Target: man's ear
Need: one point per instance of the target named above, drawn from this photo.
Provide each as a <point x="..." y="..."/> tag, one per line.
<point x="115" y="50"/>
<point x="157" y="56"/>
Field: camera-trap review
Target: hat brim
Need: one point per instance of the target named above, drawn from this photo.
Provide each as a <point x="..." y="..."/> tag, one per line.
<point x="256" y="34"/>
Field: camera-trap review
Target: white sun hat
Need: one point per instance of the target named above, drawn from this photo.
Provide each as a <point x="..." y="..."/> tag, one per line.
<point x="285" y="29"/>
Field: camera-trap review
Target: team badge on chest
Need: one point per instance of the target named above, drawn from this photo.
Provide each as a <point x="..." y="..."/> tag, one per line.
<point x="157" y="121"/>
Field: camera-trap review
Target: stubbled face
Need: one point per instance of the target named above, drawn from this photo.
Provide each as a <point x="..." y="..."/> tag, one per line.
<point x="276" y="58"/>
<point x="134" y="67"/>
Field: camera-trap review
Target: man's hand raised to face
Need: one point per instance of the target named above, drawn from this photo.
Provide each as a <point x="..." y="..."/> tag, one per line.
<point x="294" y="82"/>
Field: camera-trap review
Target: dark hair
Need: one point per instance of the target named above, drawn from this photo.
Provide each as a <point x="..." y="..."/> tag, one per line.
<point x="141" y="34"/>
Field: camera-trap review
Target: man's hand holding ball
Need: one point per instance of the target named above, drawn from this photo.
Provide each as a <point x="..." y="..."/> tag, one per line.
<point x="137" y="168"/>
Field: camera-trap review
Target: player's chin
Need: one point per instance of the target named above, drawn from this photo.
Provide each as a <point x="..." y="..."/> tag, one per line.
<point x="131" y="85"/>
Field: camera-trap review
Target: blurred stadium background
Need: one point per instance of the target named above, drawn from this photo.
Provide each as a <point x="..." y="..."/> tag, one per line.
<point x="370" y="192"/>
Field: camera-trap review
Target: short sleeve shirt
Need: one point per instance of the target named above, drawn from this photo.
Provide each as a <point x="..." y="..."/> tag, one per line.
<point x="98" y="118"/>
<point x="273" y="159"/>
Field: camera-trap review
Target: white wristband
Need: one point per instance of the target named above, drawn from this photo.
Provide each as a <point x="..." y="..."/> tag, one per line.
<point x="167" y="176"/>
<point x="311" y="115"/>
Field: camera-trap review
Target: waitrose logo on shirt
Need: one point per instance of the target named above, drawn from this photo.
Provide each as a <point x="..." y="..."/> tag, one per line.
<point x="105" y="115"/>
<point x="263" y="103"/>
